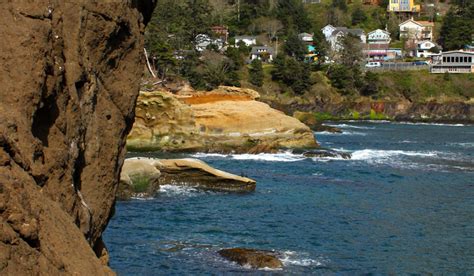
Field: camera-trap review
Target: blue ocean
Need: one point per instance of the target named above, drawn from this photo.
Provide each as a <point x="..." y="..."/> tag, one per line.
<point x="404" y="204"/>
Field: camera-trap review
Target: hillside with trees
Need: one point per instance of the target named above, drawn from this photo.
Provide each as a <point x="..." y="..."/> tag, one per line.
<point x="171" y="43"/>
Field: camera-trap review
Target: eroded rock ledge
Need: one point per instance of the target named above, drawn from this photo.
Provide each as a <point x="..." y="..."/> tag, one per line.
<point x="142" y="177"/>
<point x="224" y="120"/>
<point x="69" y="78"/>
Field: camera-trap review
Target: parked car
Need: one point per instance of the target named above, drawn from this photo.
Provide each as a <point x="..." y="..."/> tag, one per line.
<point x="420" y="63"/>
<point x="373" y="64"/>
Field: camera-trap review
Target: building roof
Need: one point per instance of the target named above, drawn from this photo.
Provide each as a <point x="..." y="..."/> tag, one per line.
<point x="379" y="30"/>
<point x="419" y="23"/>
<point x="344" y="30"/>
<point x="461" y="52"/>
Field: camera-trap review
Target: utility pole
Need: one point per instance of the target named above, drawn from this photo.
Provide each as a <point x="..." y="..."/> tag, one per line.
<point x="238" y="10"/>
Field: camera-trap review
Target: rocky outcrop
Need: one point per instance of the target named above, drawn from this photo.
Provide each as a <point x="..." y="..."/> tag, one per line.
<point x="223" y="120"/>
<point x="69" y="80"/>
<point x="252" y="258"/>
<point x="141" y="177"/>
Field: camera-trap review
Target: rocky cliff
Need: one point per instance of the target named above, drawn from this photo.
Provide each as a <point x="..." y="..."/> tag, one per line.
<point x="69" y="79"/>
<point x="223" y="120"/>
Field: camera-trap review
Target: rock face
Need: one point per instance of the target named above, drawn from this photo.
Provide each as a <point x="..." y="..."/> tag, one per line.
<point x="223" y="120"/>
<point x="69" y="80"/>
<point x="143" y="176"/>
<point x="252" y="257"/>
<point x="310" y="120"/>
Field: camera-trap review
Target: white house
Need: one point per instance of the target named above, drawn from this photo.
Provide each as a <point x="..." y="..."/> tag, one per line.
<point x="202" y="41"/>
<point x="263" y="53"/>
<point x="453" y="62"/>
<point x="416" y="30"/>
<point x="423" y="49"/>
<point x="378" y="37"/>
<point x="247" y="39"/>
<point x="334" y="35"/>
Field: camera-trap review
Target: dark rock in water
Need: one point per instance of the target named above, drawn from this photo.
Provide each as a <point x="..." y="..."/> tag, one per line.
<point x="252" y="257"/>
<point x="325" y="128"/>
<point x="323" y="153"/>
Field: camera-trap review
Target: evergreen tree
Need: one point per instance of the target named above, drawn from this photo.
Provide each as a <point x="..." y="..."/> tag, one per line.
<point x="293" y="15"/>
<point x="340" y="4"/>
<point x="294" y="47"/>
<point x="358" y="16"/>
<point x="458" y="25"/>
<point x="256" y="73"/>
<point x="293" y="73"/>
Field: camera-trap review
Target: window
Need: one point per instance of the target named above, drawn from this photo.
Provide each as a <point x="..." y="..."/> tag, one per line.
<point x="470" y="59"/>
<point x="444" y="59"/>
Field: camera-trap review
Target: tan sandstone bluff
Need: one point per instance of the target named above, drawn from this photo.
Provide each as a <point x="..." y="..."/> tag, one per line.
<point x="227" y="119"/>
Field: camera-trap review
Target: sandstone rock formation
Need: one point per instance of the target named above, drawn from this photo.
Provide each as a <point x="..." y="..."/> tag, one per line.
<point x="224" y="120"/>
<point x="252" y="258"/>
<point x="142" y="176"/>
<point x="69" y="79"/>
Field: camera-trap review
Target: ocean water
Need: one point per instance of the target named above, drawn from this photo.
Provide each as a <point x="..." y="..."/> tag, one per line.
<point x="404" y="204"/>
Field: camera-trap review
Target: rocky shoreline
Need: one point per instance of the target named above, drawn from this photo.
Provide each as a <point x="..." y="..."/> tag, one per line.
<point x="454" y="112"/>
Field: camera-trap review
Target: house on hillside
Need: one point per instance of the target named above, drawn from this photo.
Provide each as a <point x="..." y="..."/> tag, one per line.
<point x="263" y="53"/>
<point x="416" y="30"/>
<point x="403" y="6"/>
<point x="376" y="52"/>
<point x="305" y="37"/>
<point x="452" y="62"/>
<point x="311" y="1"/>
<point x="249" y="40"/>
<point x="334" y="35"/>
<point x="220" y="32"/>
<point x="425" y="49"/>
<point x="378" y="37"/>
<point x="203" y="41"/>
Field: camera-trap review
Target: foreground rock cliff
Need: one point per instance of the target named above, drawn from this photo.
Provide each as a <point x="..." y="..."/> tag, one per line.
<point x="69" y="79"/>
<point x="225" y="120"/>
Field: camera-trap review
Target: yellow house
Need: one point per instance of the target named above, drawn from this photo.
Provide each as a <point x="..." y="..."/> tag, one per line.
<point x="403" y="6"/>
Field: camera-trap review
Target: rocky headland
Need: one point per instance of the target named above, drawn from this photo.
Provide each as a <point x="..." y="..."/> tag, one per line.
<point x="224" y="120"/>
<point x="69" y="79"/>
<point x="142" y="177"/>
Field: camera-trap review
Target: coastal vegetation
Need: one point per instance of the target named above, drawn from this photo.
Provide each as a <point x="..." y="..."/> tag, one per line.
<point x="171" y="41"/>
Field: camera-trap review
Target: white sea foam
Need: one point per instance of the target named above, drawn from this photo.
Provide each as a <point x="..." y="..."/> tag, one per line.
<point x="429" y="124"/>
<point x="344" y="132"/>
<point x="271" y="157"/>
<point x="294" y="258"/>
<point x="369" y="154"/>
<point x="174" y="190"/>
<point x="351" y="126"/>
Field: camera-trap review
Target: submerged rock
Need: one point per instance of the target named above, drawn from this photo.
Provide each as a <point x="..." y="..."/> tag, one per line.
<point x="323" y="153"/>
<point x="223" y="120"/>
<point x="141" y="177"/>
<point x="252" y="257"/>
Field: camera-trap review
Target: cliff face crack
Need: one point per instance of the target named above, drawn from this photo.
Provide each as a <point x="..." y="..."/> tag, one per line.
<point x="10" y="148"/>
